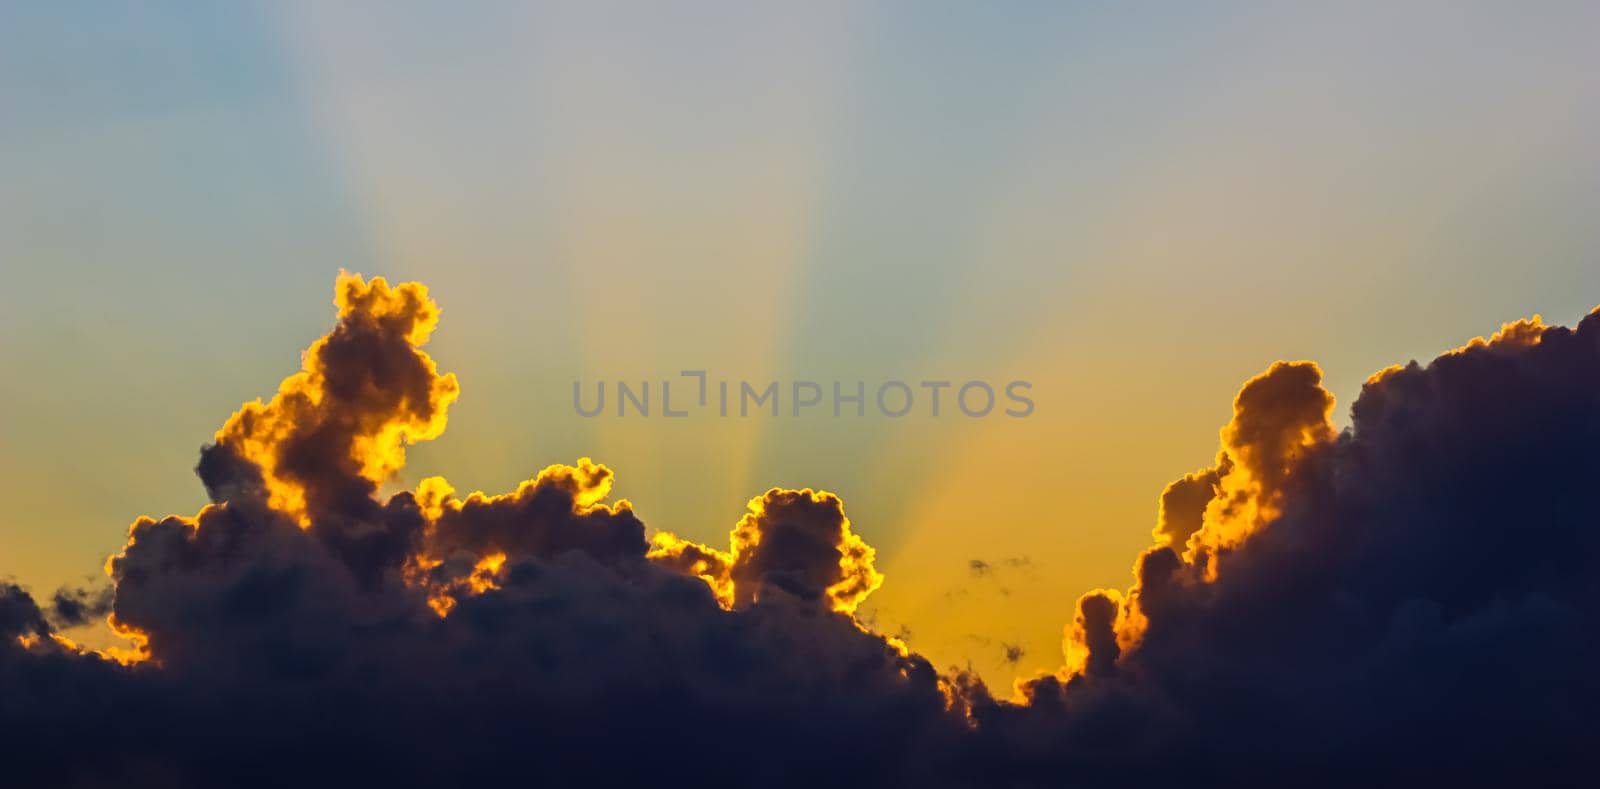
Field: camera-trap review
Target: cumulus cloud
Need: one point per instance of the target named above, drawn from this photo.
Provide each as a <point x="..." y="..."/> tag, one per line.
<point x="792" y="542"/>
<point x="1411" y="599"/>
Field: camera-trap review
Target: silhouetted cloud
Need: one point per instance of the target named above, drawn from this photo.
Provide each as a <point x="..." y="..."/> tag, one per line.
<point x="19" y="615"/>
<point x="73" y="606"/>
<point x="794" y="542"/>
<point x="1412" y="599"/>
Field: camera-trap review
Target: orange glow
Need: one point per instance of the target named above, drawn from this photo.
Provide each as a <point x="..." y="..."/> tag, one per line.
<point x="1384" y="373"/>
<point x="1075" y="644"/>
<point x="485" y="573"/>
<point x="48" y="642"/>
<point x="857" y="577"/>
<point x="139" y="652"/>
<point x="1521" y="333"/>
<point x="375" y="441"/>
<point x="56" y="642"/>
<point x="485" y="577"/>
<point x="691" y="558"/>
<point x="431" y="494"/>
<point x="588" y="483"/>
<point x="1278" y="416"/>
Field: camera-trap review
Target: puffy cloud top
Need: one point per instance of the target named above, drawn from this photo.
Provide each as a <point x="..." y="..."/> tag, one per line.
<point x="1413" y="599"/>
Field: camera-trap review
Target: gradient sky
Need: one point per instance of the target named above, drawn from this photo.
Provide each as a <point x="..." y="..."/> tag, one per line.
<point x="1135" y="207"/>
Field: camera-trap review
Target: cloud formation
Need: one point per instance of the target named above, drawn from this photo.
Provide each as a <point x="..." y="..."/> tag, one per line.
<point x="1413" y="598"/>
<point x="796" y="543"/>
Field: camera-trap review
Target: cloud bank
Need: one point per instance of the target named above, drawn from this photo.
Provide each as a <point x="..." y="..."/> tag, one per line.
<point x="1411" y="599"/>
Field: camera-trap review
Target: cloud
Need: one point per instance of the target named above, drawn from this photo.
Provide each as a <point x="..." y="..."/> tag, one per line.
<point x="1410" y="599"/>
<point x="73" y="606"/>
<point x="340" y="426"/>
<point x="796" y="543"/>
<point x="1414" y="596"/>
<point x="19" y="615"/>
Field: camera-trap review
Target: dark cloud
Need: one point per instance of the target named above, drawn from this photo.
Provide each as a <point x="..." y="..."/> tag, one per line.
<point x="1094" y="633"/>
<point x="74" y="606"/>
<point x="1013" y="653"/>
<point x="1418" y="603"/>
<point x="19" y="615"/>
<point x="1183" y="505"/>
<point x="557" y="512"/>
<point x="1414" y="600"/>
<point x="796" y="543"/>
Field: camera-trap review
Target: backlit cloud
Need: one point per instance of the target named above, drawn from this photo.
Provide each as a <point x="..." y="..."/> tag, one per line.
<point x="1412" y="598"/>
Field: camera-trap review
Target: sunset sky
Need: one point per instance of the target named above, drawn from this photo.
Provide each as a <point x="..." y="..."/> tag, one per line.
<point x="1134" y="207"/>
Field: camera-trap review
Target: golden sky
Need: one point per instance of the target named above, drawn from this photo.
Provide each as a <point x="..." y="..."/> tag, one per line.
<point x="1134" y="215"/>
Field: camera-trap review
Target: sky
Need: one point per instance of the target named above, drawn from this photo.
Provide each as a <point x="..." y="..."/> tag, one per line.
<point x="1135" y="208"/>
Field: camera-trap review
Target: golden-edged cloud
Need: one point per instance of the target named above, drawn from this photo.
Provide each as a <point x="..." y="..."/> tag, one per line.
<point x="1413" y="594"/>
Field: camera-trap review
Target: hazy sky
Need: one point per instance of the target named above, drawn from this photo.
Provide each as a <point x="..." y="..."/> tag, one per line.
<point x="1133" y="206"/>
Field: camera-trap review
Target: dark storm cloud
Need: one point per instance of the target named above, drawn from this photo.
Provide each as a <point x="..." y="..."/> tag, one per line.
<point x="1423" y="605"/>
<point x="299" y="630"/>
<point x="19" y="615"/>
<point x="73" y="606"/>
<point x="1414" y="599"/>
